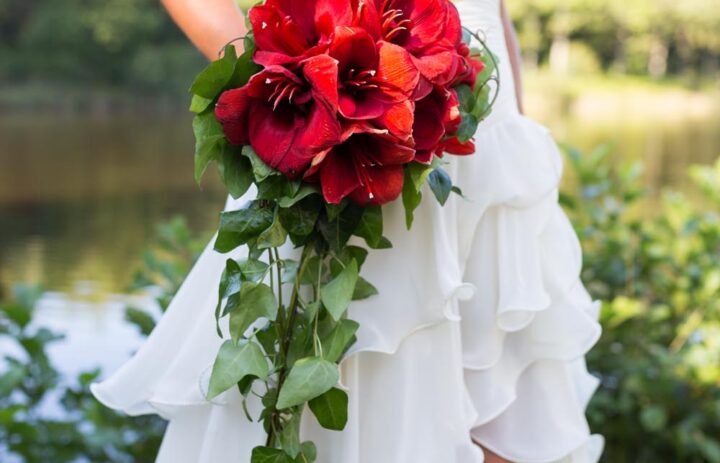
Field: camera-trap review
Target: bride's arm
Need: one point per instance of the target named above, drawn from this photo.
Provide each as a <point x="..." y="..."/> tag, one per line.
<point x="513" y="52"/>
<point x="210" y="24"/>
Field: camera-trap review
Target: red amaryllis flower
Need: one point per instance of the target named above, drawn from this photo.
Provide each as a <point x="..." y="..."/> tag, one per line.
<point x="376" y="81"/>
<point x="429" y="29"/>
<point x="367" y="166"/>
<point x="288" y="31"/>
<point x="287" y="117"/>
<point x="437" y="117"/>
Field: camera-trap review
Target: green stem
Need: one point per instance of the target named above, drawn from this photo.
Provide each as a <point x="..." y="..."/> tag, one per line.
<point x="287" y="333"/>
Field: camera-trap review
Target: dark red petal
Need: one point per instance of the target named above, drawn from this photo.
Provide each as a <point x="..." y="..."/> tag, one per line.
<point x="360" y="107"/>
<point x="276" y="32"/>
<point x="353" y="47"/>
<point x="321" y="72"/>
<point x="453" y="26"/>
<point x="396" y="68"/>
<point x="386" y="151"/>
<point x="320" y="131"/>
<point x="385" y="185"/>
<point x="272" y="134"/>
<point x="428" y="127"/>
<point x="424" y="156"/>
<point x="337" y="176"/>
<point x="301" y="12"/>
<point x="365" y="16"/>
<point x="232" y="110"/>
<point x="330" y="14"/>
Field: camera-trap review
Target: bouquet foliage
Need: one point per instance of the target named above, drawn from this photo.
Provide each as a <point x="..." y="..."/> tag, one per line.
<point x="334" y="108"/>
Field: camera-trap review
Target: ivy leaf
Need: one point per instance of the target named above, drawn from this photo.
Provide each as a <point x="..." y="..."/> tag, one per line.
<point x="339" y="339"/>
<point x="363" y="290"/>
<point x="255" y="300"/>
<point x="209" y="141"/>
<point x="229" y="284"/>
<point x="331" y="409"/>
<point x="344" y="257"/>
<point x="309" y="452"/>
<point x="233" y="363"/>
<point x="269" y="455"/>
<point x="274" y="236"/>
<point x="260" y="169"/>
<point x="309" y="378"/>
<point x="253" y="269"/>
<point x="466" y="98"/>
<point x="467" y="128"/>
<point x="304" y="192"/>
<point x="370" y="227"/>
<point x="411" y="197"/>
<point x="290" y="436"/>
<point x="199" y="104"/>
<point x="440" y="184"/>
<point x="216" y="76"/>
<point x="337" y="294"/>
<point x="337" y="232"/>
<point x="239" y="227"/>
<point x="300" y="219"/>
<point x="418" y="173"/>
<point x="235" y="171"/>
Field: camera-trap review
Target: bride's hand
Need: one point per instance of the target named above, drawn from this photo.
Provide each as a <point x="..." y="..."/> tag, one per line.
<point x="210" y="24"/>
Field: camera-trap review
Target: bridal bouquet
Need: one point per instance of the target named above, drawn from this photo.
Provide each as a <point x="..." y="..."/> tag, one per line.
<point x="335" y="108"/>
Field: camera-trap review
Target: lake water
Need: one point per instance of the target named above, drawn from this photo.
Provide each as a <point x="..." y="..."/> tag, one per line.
<point x="80" y="196"/>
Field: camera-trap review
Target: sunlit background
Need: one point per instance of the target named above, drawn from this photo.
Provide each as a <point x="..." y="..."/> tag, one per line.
<point x="96" y="152"/>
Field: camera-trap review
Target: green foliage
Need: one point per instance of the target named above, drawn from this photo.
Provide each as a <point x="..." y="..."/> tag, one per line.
<point x="655" y="262"/>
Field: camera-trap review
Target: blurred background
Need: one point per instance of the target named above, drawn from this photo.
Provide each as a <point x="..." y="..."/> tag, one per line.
<point x="100" y="218"/>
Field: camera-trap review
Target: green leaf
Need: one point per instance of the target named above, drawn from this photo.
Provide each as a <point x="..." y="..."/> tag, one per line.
<point x="364" y="290"/>
<point x="345" y="256"/>
<point x="260" y="169"/>
<point x="255" y="300"/>
<point x="253" y="269"/>
<point x="411" y="198"/>
<point x="199" y="104"/>
<point x="245" y="68"/>
<point x="440" y="184"/>
<point x="289" y="271"/>
<point x="331" y="409"/>
<point x="300" y="219"/>
<point x="418" y="173"/>
<point x="466" y="98"/>
<point x="269" y="455"/>
<point x="337" y="294"/>
<point x="233" y="363"/>
<point x="337" y="232"/>
<point x="308" y="378"/>
<point x="229" y="284"/>
<point x="274" y="236"/>
<point x="467" y="128"/>
<point x="309" y="452"/>
<point x="239" y="227"/>
<point x="209" y="141"/>
<point x="141" y="319"/>
<point x="290" y="436"/>
<point x="304" y="192"/>
<point x="235" y="171"/>
<point x="339" y="339"/>
<point x="215" y="77"/>
<point x="370" y="227"/>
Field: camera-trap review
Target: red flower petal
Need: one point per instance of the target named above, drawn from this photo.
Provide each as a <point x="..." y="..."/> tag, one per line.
<point x="277" y="32"/>
<point x="396" y="68"/>
<point x="385" y="185"/>
<point x="337" y="177"/>
<point x="399" y="118"/>
<point x="435" y="65"/>
<point x="321" y="73"/>
<point x="360" y="107"/>
<point x="353" y="48"/>
<point x="453" y="146"/>
<point x="232" y="110"/>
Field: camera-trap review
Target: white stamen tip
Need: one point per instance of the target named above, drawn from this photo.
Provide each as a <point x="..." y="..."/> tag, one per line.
<point x="268" y="81"/>
<point x="264" y="25"/>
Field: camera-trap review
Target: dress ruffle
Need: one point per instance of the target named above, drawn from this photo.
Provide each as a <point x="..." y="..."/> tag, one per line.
<point x="481" y="334"/>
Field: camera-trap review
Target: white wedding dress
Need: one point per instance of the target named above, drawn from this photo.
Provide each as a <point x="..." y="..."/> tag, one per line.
<point x="479" y="331"/>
